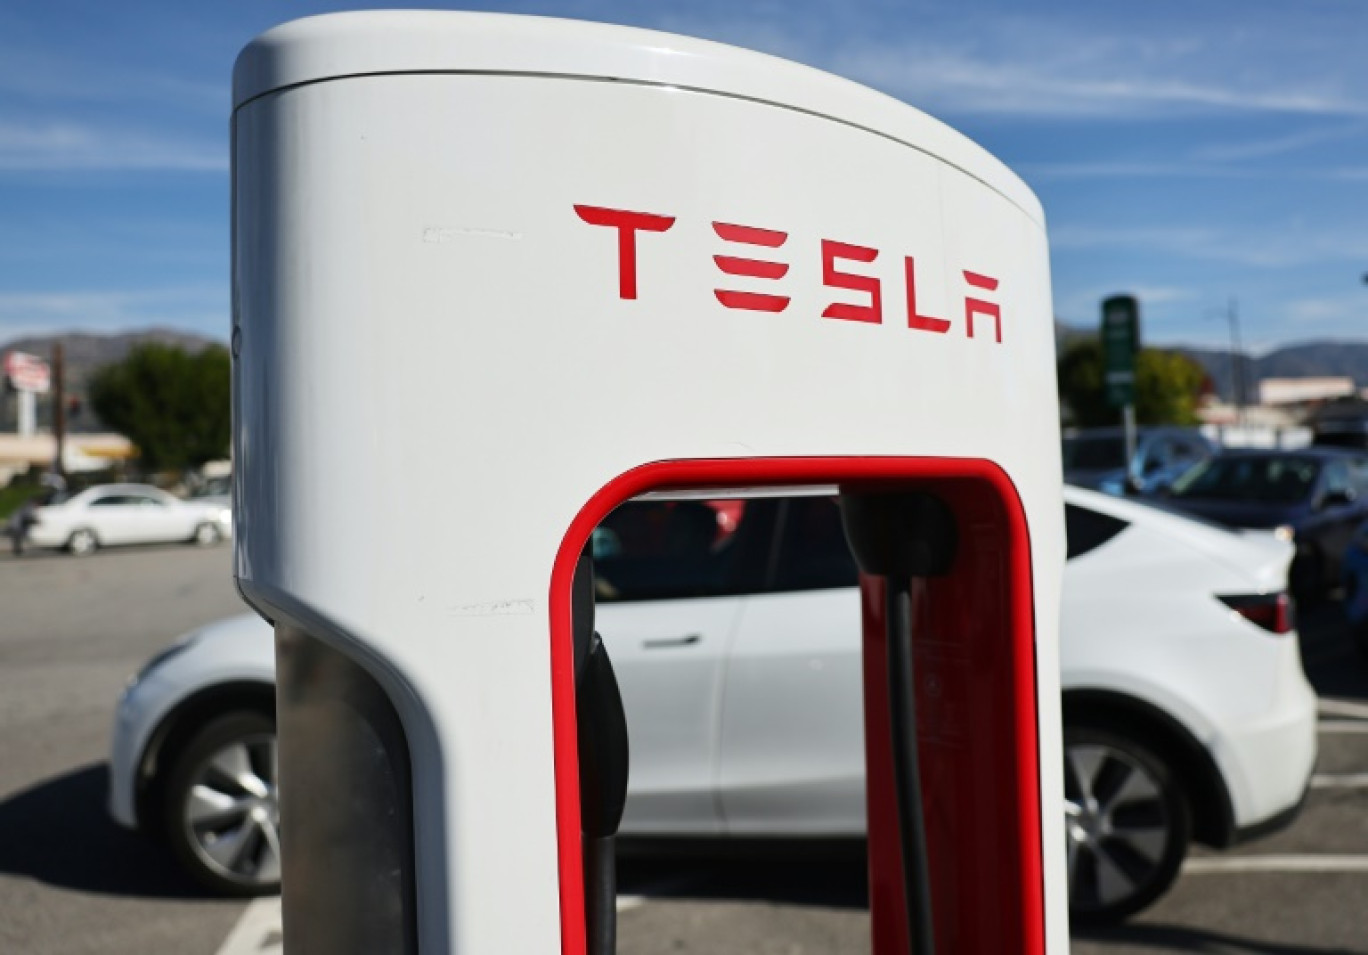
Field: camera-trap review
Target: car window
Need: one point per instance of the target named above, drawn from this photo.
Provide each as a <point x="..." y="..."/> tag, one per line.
<point x="110" y="500"/>
<point x="1186" y="452"/>
<point x="1272" y="479"/>
<point x="1155" y="457"/>
<point x="144" y="500"/>
<point x="1337" y="478"/>
<point x="659" y="550"/>
<point x="1094" y="453"/>
<point x="1086" y="529"/>
<point x="1358" y="475"/>
<point x="214" y="487"/>
<point x="812" y="552"/>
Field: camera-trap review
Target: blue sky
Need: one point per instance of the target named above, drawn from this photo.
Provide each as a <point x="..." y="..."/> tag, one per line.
<point x="1189" y="152"/>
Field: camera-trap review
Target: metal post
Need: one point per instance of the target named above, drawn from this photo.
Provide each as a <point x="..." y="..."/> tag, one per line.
<point x="1128" y="419"/>
<point x="28" y="414"/>
<point x="1237" y="382"/>
<point x="58" y="411"/>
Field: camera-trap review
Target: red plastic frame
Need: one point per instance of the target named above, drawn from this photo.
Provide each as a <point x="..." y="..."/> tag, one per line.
<point x="968" y="483"/>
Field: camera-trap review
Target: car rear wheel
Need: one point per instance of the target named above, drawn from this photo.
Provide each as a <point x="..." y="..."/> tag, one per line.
<point x="1354" y="613"/>
<point x="1306" y="576"/>
<point x="223" y="817"/>
<point x="207" y="535"/>
<point x="82" y="542"/>
<point x="1127" y="824"/>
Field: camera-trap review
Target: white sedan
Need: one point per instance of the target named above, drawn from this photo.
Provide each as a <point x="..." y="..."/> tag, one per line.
<point x="110" y="514"/>
<point x="1187" y="714"/>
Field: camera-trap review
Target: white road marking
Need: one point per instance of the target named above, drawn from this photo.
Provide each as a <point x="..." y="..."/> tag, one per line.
<point x="258" y="931"/>
<point x="1343" y="708"/>
<point x="1339" y="781"/>
<point x="625" y="902"/>
<point x="1208" y="865"/>
<point x="1342" y="726"/>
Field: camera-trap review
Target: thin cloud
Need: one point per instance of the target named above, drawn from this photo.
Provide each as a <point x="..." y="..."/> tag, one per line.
<point x="1134" y="170"/>
<point x="1088" y="301"/>
<point x="1277" y="145"/>
<point x="1263" y="249"/>
<point x="201" y="307"/>
<point x="52" y="76"/>
<point x="1054" y="67"/>
<point x="1072" y="171"/>
<point x="1118" y="66"/>
<point x="76" y="146"/>
<point x="1331" y="312"/>
<point x="965" y="83"/>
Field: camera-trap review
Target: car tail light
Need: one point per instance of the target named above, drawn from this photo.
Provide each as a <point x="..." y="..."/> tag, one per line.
<point x="1273" y="612"/>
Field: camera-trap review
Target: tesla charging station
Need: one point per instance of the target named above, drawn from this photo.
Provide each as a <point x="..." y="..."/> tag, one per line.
<point x="494" y="276"/>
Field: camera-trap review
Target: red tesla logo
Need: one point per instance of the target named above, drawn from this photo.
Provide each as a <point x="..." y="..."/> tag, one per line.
<point x="841" y="269"/>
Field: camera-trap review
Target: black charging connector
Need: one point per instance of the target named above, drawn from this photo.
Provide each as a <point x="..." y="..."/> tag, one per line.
<point x="603" y="763"/>
<point x="899" y="535"/>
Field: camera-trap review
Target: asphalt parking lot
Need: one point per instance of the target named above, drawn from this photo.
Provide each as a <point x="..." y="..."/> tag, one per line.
<point x="72" y="630"/>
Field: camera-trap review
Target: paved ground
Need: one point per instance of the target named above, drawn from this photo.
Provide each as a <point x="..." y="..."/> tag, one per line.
<point x="71" y="631"/>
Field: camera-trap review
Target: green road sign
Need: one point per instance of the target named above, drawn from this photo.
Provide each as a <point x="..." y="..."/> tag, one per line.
<point x="1120" y="342"/>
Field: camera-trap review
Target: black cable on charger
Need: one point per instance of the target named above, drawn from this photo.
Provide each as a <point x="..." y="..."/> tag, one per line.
<point x="902" y="705"/>
<point x="899" y="535"/>
<point x="603" y="764"/>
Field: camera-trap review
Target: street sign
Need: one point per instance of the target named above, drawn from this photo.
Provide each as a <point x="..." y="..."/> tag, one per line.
<point x="27" y="372"/>
<point x="1120" y="342"/>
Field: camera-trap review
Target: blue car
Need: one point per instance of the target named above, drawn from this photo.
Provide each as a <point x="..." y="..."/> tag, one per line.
<point x="1354" y="575"/>
<point x="1317" y="497"/>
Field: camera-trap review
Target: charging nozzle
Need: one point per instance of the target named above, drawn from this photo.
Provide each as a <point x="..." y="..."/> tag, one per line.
<point x="899" y="533"/>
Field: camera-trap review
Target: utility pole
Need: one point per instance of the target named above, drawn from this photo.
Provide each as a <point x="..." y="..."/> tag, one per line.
<point x="58" y="411"/>
<point x="1236" y="361"/>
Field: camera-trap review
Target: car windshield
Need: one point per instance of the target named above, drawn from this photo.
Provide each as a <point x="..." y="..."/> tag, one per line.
<point x="214" y="487"/>
<point x="1275" y="479"/>
<point x="1094" y="453"/>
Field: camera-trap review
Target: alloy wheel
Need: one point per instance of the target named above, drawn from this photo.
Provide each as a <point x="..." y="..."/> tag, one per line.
<point x="82" y="542"/>
<point x="1118" y="824"/>
<point x="231" y="812"/>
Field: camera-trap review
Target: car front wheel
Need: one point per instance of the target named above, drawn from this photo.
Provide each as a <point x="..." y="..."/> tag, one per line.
<point x="206" y="535"/>
<point x="223" y="817"/>
<point x="82" y="542"/>
<point x="1127" y="824"/>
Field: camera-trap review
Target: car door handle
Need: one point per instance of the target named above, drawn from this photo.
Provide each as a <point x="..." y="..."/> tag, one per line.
<point x="666" y="642"/>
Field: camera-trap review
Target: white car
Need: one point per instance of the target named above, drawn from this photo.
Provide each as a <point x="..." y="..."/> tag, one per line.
<point x="1187" y="713"/>
<point x="110" y="514"/>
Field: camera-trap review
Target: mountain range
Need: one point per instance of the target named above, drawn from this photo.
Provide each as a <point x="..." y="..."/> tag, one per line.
<point x="1312" y="359"/>
<point x="82" y="354"/>
<point x="1318" y="359"/>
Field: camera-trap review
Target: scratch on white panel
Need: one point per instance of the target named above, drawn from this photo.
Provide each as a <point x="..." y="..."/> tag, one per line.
<point x="443" y="235"/>
<point x="497" y="608"/>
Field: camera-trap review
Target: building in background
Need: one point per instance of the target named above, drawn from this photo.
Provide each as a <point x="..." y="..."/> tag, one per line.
<point x="83" y="453"/>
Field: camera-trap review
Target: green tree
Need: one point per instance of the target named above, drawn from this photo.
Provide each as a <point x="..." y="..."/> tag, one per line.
<point x="172" y="404"/>
<point x="1167" y="386"/>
